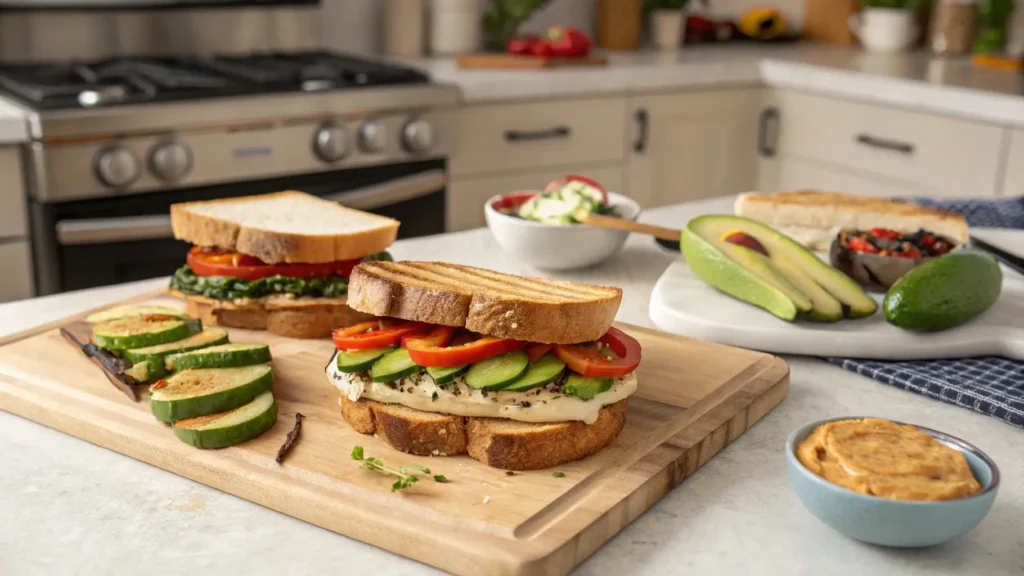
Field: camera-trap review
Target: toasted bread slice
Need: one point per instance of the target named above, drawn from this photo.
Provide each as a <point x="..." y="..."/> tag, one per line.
<point x="483" y="301"/>
<point x="279" y="314"/>
<point x="497" y="442"/>
<point x="284" y="227"/>
<point x="814" y="217"/>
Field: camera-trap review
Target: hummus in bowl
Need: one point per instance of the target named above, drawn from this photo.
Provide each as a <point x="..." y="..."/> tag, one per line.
<point x="889" y="483"/>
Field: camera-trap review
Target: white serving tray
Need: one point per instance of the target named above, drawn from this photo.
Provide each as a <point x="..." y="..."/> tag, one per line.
<point x="684" y="304"/>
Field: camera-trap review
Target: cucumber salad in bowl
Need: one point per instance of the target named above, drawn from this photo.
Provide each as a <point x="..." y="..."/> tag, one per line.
<point x="568" y="200"/>
<point x="554" y="228"/>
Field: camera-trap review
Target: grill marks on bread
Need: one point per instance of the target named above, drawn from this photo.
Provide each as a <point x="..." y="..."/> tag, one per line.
<point x="483" y="301"/>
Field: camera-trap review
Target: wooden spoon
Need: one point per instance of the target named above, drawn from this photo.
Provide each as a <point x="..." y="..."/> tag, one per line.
<point x="667" y="237"/>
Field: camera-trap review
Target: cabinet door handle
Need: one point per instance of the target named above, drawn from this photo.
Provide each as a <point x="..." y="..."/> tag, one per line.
<point x="767" y="139"/>
<point x="643" y="121"/>
<point x="885" y="144"/>
<point x="513" y="136"/>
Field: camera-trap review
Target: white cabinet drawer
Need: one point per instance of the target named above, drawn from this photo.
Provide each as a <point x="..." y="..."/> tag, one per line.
<point x="508" y="137"/>
<point x="12" y="195"/>
<point x="793" y="174"/>
<point x="934" y="152"/>
<point x="466" y="198"/>
<point x="16" y="280"/>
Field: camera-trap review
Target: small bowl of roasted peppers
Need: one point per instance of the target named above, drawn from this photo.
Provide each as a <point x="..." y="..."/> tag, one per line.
<point x="878" y="257"/>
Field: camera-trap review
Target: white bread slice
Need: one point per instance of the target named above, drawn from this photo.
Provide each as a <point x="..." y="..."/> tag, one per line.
<point x="484" y="301"/>
<point x="291" y="226"/>
<point x="814" y="217"/>
<point x="497" y="442"/>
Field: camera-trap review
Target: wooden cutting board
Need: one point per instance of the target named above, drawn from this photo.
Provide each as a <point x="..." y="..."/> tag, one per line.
<point x="513" y="62"/>
<point x="694" y="399"/>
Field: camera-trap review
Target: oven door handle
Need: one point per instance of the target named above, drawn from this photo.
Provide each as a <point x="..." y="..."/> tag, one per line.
<point x="100" y="230"/>
<point x="392" y="191"/>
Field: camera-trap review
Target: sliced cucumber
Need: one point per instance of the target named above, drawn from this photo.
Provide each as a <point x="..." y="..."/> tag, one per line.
<point x="394" y="365"/>
<point x="359" y="360"/>
<point x="586" y="387"/>
<point x="546" y="369"/>
<point x="229" y="428"/>
<point x="203" y="391"/>
<point x="130" y="310"/>
<point x="142" y="331"/>
<point x="154" y="355"/>
<point x="443" y="376"/>
<point x="498" y="371"/>
<point x="221" y="356"/>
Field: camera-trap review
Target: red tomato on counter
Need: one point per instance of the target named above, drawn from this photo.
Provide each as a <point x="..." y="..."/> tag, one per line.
<point x="568" y="42"/>
<point x="521" y="46"/>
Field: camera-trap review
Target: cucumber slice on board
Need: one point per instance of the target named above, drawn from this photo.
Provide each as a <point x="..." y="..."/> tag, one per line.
<point x="203" y="391"/>
<point x="229" y="428"/>
<point x="443" y="376"/>
<point x="130" y="310"/>
<point x="142" y="331"/>
<point x="546" y="369"/>
<point x="586" y="387"/>
<point x="220" y="356"/>
<point x="394" y="365"/>
<point x="155" y="355"/>
<point x="498" y="371"/>
<point x="359" y="360"/>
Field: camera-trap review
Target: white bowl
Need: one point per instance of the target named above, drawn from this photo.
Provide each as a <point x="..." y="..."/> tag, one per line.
<point x="559" y="246"/>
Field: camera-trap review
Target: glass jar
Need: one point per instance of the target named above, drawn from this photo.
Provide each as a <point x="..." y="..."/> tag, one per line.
<point x="953" y="25"/>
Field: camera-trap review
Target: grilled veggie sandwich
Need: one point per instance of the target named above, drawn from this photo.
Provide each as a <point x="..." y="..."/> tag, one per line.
<point x="277" y="262"/>
<point x="520" y="373"/>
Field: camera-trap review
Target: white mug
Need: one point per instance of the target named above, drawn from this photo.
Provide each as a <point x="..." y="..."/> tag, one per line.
<point x="885" y="29"/>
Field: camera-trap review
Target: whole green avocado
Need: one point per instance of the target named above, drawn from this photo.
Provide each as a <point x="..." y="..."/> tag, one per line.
<point x="945" y="292"/>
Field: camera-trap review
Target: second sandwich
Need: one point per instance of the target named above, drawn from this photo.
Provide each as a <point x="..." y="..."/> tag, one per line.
<point x="520" y="373"/>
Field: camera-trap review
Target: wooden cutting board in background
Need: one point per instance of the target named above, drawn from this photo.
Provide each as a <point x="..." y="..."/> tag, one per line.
<point x="827" y="21"/>
<point x="694" y="398"/>
<point x="513" y="62"/>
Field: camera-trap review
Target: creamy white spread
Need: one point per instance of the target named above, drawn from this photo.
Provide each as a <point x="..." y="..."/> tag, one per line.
<point x="546" y="404"/>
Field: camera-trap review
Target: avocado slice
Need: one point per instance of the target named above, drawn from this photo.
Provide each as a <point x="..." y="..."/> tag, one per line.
<point x="787" y="281"/>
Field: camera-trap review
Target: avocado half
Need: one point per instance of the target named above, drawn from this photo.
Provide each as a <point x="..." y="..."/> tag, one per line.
<point x="788" y="281"/>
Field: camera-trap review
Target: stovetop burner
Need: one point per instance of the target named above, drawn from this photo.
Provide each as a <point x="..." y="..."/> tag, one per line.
<point x="137" y="80"/>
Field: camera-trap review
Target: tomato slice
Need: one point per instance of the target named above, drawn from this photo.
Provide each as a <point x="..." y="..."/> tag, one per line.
<point x="557" y="184"/>
<point x="369" y="335"/>
<point x="591" y="362"/>
<point x="437" y="337"/>
<point x="475" y="351"/>
<point x="512" y="201"/>
<point x="235" y="265"/>
<point x="535" y="351"/>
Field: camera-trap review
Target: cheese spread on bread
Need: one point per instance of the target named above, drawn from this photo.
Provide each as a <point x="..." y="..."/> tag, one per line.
<point x="539" y="405"/>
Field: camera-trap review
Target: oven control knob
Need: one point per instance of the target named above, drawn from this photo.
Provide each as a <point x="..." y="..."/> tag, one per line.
<point x="372" y="138"/>
<point x="170" y="161"/>
<point x="330" y="143"/>
<point x="418" y="136"/>
<point x="117" y="166"/>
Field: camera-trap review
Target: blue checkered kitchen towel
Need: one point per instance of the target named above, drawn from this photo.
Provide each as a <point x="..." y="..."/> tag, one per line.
<point x="989" y="384"/>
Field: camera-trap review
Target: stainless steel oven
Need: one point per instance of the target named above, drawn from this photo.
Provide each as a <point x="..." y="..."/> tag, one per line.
<point x="103" y="241"/>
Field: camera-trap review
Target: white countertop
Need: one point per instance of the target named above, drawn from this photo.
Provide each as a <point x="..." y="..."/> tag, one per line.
<point x="68" y="506"/>
<point x="946" y="86"/>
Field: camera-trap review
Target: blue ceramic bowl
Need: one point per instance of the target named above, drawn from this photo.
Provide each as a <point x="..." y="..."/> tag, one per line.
<point x="899" y="523"/>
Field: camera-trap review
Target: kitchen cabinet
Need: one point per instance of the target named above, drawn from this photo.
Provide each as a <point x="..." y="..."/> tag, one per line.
<point x="15" y="261"/>
<point x="824" y="142"/>
<point x="12" y="195"/>
<point x="691" y="145"/>
<point x="1013" y="180"/>
<point x="514" y="137"/>
<point x="466" y="198"/>
<point x="797" y="174"/>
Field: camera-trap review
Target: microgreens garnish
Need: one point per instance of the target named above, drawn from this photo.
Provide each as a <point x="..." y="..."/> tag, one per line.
<point x="407" y="475"/>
